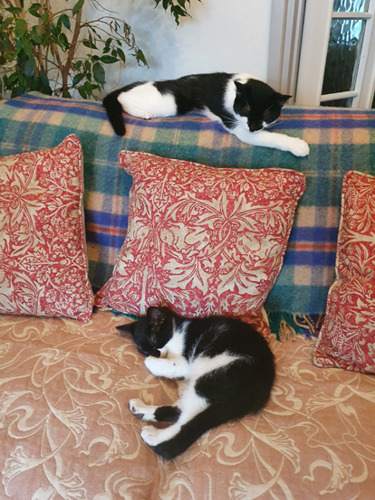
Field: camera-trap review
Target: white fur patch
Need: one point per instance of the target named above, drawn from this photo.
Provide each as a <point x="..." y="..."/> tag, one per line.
<point x="145" y="101"/>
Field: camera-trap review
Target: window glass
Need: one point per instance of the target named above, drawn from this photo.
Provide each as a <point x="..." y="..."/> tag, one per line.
<point x="350" y="5"/>
<point x="344" y="51"/>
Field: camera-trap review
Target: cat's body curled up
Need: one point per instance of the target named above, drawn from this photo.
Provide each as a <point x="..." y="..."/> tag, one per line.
<point x="243" y="104"/>
<point x="224" y="368"/>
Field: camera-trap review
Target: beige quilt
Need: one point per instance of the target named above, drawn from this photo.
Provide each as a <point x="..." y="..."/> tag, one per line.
<point x="66" y="431"/>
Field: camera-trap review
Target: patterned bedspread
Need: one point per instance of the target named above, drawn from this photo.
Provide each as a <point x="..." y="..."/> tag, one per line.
<point x="340" y="140"/>
<point x="66" y="431"/>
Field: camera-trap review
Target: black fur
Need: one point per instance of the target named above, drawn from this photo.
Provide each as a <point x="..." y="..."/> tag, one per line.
<point x="241" y="387"/>
<point x="254" y="99"/>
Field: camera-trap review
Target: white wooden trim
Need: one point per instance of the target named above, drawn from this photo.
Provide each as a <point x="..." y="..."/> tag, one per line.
<point x="314" y="44"/>
<point x="284" y="48"/>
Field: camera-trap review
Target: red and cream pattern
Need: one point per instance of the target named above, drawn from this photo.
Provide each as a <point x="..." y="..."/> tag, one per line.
<point x="43" y="265"/>
<point x="201" y="240"/>
<point x="347" y="337"/>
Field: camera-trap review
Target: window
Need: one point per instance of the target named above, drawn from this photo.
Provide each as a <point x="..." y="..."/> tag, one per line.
<point x="333" y="54"/>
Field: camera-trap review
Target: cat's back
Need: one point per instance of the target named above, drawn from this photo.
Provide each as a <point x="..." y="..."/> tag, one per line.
<point x="218" y="334"/>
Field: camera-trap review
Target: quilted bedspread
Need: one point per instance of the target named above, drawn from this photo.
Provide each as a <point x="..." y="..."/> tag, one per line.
<point x="340" y="140"/>
<point x="66" y="431"/>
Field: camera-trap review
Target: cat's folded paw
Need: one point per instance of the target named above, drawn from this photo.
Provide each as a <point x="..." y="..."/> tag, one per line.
<point x="136" y="406"/>
<point x="299" y="147"/>
<point x="151" y="363"/>
<point x="150" y="435"/>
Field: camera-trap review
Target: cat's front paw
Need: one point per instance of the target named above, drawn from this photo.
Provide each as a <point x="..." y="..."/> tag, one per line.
<point x="136" y="406"/>
<point x="299" y="147"/>
<point x="152" y="363"/>
<point x="150" y="435"/>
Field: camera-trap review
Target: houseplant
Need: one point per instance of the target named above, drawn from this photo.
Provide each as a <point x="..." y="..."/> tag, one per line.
<point x="56" y="51"/>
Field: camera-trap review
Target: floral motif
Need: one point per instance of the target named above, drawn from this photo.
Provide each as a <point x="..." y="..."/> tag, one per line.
<point x="43" y="266"/>
<point x="66" y="431"/>
<point x="347" y="337"/>
<point x="201" y="240"/>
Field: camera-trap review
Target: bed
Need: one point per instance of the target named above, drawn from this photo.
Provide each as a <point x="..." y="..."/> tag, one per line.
<point x="65" y="428"/>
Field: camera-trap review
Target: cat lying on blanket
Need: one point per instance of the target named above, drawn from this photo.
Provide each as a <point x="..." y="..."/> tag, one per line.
<point x="244" y="105"/>
<point x="224" y="368"/>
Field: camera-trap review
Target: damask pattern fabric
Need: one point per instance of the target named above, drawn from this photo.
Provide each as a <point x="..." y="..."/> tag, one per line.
<point x="201" y="240"/>
<point x="66" y="431"/>
<point x="347" y="337"/>
<point x="43" y="265"/>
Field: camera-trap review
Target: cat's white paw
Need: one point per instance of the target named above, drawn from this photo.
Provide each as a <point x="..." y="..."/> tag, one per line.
<point x="299" y="147"/>
<point x="146" y="115"/>
<point x="150" y="435"/>
<point x="152" y="363"/>
<point x="137" y="407"/>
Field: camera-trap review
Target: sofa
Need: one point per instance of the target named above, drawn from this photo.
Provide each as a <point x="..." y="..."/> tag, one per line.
<point x="67" y="376"/>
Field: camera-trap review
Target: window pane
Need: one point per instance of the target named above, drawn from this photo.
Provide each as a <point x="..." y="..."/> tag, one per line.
<point x="344" y="50"/>
<point x="350" y="5"/>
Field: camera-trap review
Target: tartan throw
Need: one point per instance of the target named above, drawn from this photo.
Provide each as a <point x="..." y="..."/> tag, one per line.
<point x="339" y="139"/>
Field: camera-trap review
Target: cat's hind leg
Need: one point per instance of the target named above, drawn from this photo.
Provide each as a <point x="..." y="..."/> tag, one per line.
<point x="134" y="110"/>
<point x="151" y="413"/>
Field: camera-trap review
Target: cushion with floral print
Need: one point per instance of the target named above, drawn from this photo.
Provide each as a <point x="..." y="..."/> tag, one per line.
<point x="347" y="336"/>
<point x="43" y="265"/>
<point x="202" y="240"/>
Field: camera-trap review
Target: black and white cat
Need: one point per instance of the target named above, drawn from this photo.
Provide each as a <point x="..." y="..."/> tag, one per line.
<point x="224" y="369"/>
<point x="244" y="105"/>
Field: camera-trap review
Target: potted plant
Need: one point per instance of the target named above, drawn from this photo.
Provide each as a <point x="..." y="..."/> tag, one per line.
<point x="58" y="51"/>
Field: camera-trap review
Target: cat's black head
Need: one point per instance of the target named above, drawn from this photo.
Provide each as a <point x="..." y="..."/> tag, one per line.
<point x="258" y="103"/>
<point x="151" y="332"/>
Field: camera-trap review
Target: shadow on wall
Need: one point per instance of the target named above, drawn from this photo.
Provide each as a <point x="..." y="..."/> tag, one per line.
<point x="157" y="35"/>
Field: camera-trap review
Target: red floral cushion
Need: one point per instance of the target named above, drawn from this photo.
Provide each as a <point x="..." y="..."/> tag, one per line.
<point x="43" y="266"/>
<point x="347" y="337"/>
<point x="201" y="240"/>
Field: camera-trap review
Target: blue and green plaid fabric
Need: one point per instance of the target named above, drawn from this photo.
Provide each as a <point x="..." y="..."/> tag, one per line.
<point x="340" y="140"/>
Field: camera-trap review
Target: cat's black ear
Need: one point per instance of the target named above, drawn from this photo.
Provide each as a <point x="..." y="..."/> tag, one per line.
<point x="155" y="317"/>
<point x="127" y="328"/>
<point x="240" y="87"/>
<point x="284" y="98"/>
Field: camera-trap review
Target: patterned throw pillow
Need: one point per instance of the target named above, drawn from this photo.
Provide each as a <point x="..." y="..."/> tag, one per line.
<point x="201" y="240"/>
<point x="347" y="337"/>
<point x="43" y="265"/>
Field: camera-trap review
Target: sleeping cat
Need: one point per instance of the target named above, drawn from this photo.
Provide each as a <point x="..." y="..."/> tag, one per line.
<point x="224" y="369"/>
<point x="243" y="104"/>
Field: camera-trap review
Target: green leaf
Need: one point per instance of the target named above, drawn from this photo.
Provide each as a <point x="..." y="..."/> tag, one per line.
<point x="36" y="35"/>
<point x="29" y="67"/>
<point x="64" y="19"/>
<point x="34" y="9"/>
<point x="14" y="10"/>
<point x="89" y="44"/>
<point x="82" y="92"/>
<point x="141" y="57"/>
<point x="20" y="28"/>
<point x="121" y="55"/>
<point x="77" y="79"/>
<point x="63" y="41"/>
<point x="77" y="7"/>
<point x="99" y="73"/>
<point x="45" y="17"/>
<point x="108" y="59"/>
<point x="44" y="83"/>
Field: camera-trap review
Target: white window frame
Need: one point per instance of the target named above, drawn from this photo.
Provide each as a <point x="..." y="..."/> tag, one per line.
<point x="316" y="31"/>
<point x="299" y="36"/>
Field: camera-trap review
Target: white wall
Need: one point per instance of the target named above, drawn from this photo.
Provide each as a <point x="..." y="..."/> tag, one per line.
<point x="221" y="35"/>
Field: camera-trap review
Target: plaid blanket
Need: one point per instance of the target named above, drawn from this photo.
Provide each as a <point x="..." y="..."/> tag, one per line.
<point x="340" y="140"/>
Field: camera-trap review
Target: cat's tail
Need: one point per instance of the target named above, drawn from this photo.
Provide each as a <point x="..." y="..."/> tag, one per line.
<point x="208" y="419"/>
<point x="114" y="112"/>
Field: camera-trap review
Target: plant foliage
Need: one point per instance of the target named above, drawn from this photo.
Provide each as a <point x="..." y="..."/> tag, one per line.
<point x="56" y="51"/>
